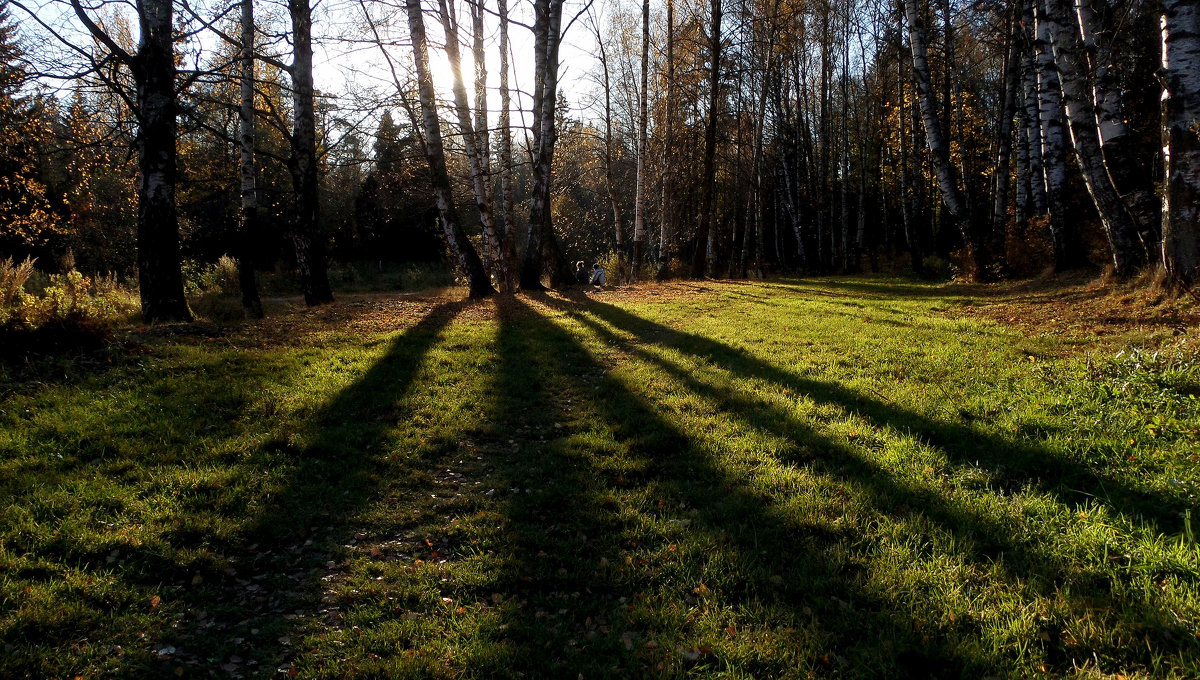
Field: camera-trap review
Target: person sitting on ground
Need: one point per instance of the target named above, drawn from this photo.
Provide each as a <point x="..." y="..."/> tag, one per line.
<point x="597" y="275"/>
<point x="581" y="272"/>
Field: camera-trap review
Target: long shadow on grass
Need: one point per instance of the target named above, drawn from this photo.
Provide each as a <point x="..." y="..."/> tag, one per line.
<point x="591" y="590"/>
<point x="979" y="536"/>
<point x="277" y="556"/>
<point x="1014" y="463"/>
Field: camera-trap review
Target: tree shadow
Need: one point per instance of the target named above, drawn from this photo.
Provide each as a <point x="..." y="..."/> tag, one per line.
<point x="1012" y="463"/>
<point x="595" y="591"/>
<point x="231" y="579"/>
<point x="979" y="537"/>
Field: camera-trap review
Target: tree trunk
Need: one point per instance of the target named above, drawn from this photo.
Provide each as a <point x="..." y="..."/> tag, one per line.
<point x="1181" y="145"/>
<point x="938" y="146"/>
<point x="1130" y="176"/>
<point x="1000" y="172"/>
<point x="1119" y="225"/>
<point x="508" y="225"/>
<point x="460" y="245"/>
<point x="618" y="231"/>
<point x="666" y="211"/>
<point x="310" y="250"/>
<point x="1032" y="120"/>
<point x="160" y="278"/>
<point x="639" y="201"/>
<point x="472" y="137"/>
<point x="1053" y="137"/>
<point x="702" y="258"/>
<point x="542" y="245"/>
<point x="248" y="234"/>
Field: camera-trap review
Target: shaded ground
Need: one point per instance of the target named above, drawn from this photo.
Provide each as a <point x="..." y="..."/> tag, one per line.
<point x="803" y="478"/>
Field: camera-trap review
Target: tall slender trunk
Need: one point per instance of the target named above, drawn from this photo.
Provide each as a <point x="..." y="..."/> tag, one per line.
<point x="911" y="237"/>
<point x="666" y="210"/>
<point x="618" y="231"/>
<point x="639" y="201"/>
<point x="1032" y="120"/>
<point x="1053" y="137"/>
<point x="1022" y="203"/>
<point x="1000" y="171"/>
<point x="248" y="233"/>
<point x="1119" y="224"/>
<point x="938" y="146"/>
<point x="464" y="252"/>
<point x="310" y="249"/>
<point x="1181" y="145"/>
<point x="508" y="224"/>
<point x="472" y="137"/>
<point x="542" y="249"/>
<point x="702" y="258"/>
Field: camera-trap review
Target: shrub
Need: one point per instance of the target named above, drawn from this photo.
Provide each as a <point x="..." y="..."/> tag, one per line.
<point x="12" y="281"/>
<point x="67" y="314"/>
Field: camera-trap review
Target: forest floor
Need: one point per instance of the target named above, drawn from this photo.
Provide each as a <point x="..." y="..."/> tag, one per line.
<point x="844" y="477"/>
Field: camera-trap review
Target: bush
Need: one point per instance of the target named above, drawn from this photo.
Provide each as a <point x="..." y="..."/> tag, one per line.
<point x="70" y="312"/>
<point x="12" y="281"/>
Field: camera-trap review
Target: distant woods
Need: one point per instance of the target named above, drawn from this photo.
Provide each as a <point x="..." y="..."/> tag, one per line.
<point x="718" y="138"/>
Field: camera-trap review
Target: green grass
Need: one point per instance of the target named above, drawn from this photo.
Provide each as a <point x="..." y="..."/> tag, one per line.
<point x="794" y="479"/>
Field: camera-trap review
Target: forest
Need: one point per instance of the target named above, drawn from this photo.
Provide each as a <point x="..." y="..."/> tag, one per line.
<point x="982" y="140"/>
<point x="892" y="369"/>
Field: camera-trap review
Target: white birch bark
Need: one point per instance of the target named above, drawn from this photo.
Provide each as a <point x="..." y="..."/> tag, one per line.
<point x="1118" y="222"/>
<point x="1181" y="140"/>
<point x="476" y="155"/>
<point x="456" y="239"/>
<point x="639" y="201"/>
<point x="248" y="232"/>
<point x="508" y="211"/>
<point x="938" y="145"/>
<point x="1053" y="138"/>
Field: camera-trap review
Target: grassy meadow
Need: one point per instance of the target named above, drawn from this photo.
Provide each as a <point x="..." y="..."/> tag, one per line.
<point x="804" y="478"/>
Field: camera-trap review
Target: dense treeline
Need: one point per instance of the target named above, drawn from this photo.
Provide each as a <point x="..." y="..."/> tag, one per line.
<point x="720" y="138"/>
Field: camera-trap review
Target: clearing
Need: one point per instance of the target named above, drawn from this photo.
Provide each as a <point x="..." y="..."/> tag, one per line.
<point x="856" y="477"/>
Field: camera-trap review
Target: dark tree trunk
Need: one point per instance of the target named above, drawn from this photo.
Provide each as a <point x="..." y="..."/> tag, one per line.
<point x="541" y="248"/>
<point x="702" y="257"/>
<point x="155" y="105"/>
<point x="460" y="245"/>
<point x="248" y="234"/>
<point x="310" y="249"/>
<point x="160" y="278"/>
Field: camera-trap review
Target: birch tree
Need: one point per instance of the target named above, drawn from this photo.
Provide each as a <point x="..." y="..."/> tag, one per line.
<point x="542" y="250"/>
<point x="1119" y="225"/>
<point x="154" y="104"/>
<point x="1181" y="140"/>
<point x="938" y="144"/>
<point x="460" y="246"/>
<point x="248" y="233"/>
<point x="702" y="256"/>
<point x="639" y="201"/>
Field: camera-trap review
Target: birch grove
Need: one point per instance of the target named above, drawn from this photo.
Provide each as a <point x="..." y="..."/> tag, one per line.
<point x="738" y="138"/>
